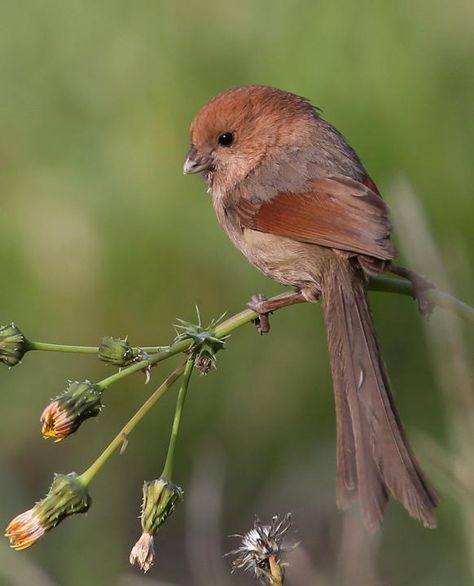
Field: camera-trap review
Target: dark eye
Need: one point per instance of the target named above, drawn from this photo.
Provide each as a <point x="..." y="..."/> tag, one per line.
<point x="226" y="139"/>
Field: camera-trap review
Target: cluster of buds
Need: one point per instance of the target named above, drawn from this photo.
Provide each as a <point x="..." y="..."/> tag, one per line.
<point x="118" y="352"/>
<point x="64" y="414"/>
<point x="159" y="500"/>
<point x="205" y="344"/>
<point x="13" y="345"/>
<point x="67" y="496"/>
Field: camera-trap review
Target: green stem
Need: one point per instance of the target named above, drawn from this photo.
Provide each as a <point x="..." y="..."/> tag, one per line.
<point x="438" y="297"/>
<point x="47" y="347"/>
<point x="122" y="436"/>
<point x="142" y="364"/>
<point x="168" y="467"/>
<point x="386" y="284"/>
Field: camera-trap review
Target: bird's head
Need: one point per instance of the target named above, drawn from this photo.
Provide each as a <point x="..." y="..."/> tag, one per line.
<point x="241" y="127"/>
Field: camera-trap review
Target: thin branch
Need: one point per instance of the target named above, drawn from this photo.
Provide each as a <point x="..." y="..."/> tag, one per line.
<point x="438" y="297"/>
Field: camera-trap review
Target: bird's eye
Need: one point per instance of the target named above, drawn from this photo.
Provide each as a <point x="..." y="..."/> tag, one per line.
<point x="226" y="139"/>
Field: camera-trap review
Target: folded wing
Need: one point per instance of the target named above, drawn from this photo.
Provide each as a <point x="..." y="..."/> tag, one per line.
<point x="337" y="212"/>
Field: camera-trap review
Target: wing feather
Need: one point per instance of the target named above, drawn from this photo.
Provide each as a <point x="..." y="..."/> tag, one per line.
<point x="337" y="212"/>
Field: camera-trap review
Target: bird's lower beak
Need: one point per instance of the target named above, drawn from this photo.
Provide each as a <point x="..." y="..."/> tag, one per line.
<point x="196" y="162"/>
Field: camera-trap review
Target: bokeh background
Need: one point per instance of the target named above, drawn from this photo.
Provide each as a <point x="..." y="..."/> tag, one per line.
<point x="100" y="234"/>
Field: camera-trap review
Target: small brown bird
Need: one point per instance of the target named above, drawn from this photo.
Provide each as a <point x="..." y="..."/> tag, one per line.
<point x="295" y="199"/>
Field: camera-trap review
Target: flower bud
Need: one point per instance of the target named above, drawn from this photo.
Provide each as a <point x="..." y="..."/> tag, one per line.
<point x="67" y="496"/>
<point x="159" y="500"/>
<point x="117" y="352"/>
<point x="13" y="345"/>
<point x="67" y="411"/>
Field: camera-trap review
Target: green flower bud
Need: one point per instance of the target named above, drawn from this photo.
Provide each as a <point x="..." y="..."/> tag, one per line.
<point x="13" y="345"/>
<point x="67" y="411"/>
<point x="159" y="499"/>
<point x="117" y="352"/>
<point x="67" y="496"/>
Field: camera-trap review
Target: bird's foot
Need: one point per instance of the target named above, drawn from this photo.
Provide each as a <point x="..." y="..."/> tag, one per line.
<point x="262" y="321"/>
<point x="264" y="306"/>
<point x="421" y="288"/>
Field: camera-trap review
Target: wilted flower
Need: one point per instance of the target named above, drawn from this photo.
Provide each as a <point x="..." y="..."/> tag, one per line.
<point x="143" y="552"/>
<point x="159" y="500"/>
<point x="67" y="496"/>
<point x="62" y="417"/>
<point x="262" y="548"/>
<point x="204" y="361"/>
<point x="118" y="352"/>
<point x="13" y="345"/>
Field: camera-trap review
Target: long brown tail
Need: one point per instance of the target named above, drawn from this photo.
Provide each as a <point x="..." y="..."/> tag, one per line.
<point x="374" y="458"/>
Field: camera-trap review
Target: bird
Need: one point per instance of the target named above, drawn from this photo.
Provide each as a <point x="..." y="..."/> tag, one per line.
<point x="296" y="200"/>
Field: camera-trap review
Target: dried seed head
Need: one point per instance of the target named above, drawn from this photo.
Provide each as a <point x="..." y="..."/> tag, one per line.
<point x="263" y="547"/>
<point x="67" y="496"/>
<point x="204" y="361"/>
<point x="13" y="345"/>
<point x="65" y="413"/>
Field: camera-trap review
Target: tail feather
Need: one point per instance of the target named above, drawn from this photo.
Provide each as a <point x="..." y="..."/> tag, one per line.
<point x="374" y="458"/>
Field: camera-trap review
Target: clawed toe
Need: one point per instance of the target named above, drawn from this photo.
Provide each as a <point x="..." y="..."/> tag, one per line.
<point x="257" y="304"/>
<point x="421" y="288"/>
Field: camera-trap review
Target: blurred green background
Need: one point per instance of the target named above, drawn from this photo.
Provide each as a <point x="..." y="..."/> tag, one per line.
<point x="100" y="234"/>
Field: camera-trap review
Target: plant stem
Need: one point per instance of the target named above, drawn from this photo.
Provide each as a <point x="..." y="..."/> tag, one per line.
<point x="276" y="571"/>
<point x="386" y="284"/>
<point x="89" y="474"/>
<point x="168" y="467"/>
<point x="47" y="347"/>
<point x="438" y="297"/>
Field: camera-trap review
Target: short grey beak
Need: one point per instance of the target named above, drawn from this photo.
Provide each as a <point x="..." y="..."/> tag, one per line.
<point x="196" y="162"/>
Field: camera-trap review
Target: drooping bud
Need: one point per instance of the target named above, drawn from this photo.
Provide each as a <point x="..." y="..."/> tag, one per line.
<point x="159" y="500"/>
<point x="67" y="496"/>
<point x="64" y="414"/>
<point x="118" y="352"/>
<point x="13" y="345"/>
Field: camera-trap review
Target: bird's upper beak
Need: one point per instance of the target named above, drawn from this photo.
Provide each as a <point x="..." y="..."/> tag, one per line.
<point x="196" y="162"/>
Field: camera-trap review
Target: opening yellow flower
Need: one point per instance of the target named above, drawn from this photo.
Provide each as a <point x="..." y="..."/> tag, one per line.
<point x="24" y="530"/>
<point x="65" y="413"/>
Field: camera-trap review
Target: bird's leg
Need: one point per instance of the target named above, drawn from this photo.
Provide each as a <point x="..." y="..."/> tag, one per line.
<point x="264" y="306"/>
<point x="421" y="286"/>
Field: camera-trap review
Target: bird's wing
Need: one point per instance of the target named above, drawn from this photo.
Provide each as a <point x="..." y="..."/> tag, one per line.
<point x="337" y="212"/>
